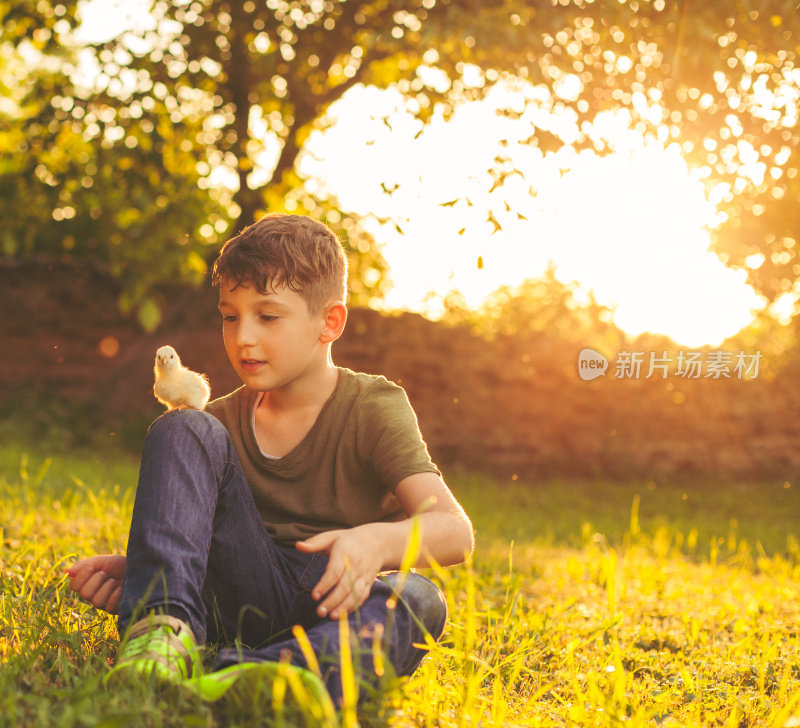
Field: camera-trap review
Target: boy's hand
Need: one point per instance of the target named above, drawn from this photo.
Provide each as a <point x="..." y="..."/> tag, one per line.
<point x="98" y="579"/>
<point x="354" y="560"/>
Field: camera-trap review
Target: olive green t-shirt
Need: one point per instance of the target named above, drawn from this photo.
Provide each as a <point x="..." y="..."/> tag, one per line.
<point x="344" y="472"/>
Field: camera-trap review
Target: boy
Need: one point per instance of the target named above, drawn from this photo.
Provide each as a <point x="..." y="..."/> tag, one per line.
<point x="282" y="502"/>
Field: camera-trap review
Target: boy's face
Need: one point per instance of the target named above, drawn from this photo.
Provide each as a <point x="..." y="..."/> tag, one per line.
<point x="272" y="340"/>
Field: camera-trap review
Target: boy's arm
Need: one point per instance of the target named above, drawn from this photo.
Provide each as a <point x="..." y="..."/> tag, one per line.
<point x="446" y="530"/>
<point x="356" y="555"/>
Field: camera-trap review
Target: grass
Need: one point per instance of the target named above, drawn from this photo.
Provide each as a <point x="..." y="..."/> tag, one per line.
<point x="586" y="603"/>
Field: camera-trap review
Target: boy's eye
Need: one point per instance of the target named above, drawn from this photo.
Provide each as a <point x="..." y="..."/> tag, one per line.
<point x="267" y="317"/>
<point x="228" y="318"/>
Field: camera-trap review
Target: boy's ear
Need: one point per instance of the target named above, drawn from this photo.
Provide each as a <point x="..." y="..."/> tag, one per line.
<point x="335" y="317"/>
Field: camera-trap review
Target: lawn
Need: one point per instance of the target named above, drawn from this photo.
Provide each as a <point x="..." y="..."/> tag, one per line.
<point x="586" y="603"/>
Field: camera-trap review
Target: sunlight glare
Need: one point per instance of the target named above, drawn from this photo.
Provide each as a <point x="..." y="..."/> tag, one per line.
<point x="631" y="226"/>
<point x="784" y="306"/>
<point x="103" y="20"/>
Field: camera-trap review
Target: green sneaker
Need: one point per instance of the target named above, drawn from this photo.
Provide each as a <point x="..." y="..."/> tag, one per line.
<point x="278" y="686"/>
<point x="161" y="646"/>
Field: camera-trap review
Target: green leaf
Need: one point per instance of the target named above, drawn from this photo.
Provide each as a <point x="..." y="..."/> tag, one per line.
<point x="149" y="315"/>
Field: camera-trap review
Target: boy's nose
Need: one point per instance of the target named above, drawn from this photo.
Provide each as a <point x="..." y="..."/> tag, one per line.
<point x="245" y="335"/>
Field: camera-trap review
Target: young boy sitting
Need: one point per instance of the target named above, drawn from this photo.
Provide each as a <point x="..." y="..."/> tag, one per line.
<point x="283" y="501"/>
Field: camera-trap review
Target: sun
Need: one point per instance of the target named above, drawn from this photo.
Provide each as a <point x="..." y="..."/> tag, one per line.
<point x="632" y="226"/>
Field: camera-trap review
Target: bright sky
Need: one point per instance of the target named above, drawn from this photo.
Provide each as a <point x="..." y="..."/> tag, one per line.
<point x="631" y="226"/>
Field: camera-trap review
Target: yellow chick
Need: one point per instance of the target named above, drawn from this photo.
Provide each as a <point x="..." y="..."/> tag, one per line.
<point x="176" y="386"/>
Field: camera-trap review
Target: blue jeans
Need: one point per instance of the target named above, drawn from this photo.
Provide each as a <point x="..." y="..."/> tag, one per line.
<point x="199" y="551"/>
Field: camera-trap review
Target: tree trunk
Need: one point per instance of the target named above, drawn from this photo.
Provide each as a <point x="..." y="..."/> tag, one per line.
<point x="240" y="78"/>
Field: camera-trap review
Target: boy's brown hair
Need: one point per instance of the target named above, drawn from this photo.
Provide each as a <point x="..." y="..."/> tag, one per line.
<point x="295" y="250"/>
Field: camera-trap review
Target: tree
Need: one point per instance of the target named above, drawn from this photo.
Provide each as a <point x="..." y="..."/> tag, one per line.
<point x="88" y="179"/>
<point x="539" y="308"/>
<point x="219" y="85"/>
<point x="719" y="79"/>
<point x="118" y="170"/>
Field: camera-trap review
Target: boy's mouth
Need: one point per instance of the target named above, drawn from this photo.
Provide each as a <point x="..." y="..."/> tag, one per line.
<point x="250" y="364"/>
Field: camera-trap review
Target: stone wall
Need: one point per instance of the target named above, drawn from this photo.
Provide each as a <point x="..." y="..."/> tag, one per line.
<point x="514" y="408"/>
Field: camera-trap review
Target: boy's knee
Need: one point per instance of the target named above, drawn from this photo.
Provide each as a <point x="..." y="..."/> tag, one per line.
<point x="191" y="421"/>
<point x="423" y="598"/>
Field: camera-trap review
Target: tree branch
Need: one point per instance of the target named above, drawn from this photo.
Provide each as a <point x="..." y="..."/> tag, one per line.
<point x="313" y="110"/>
